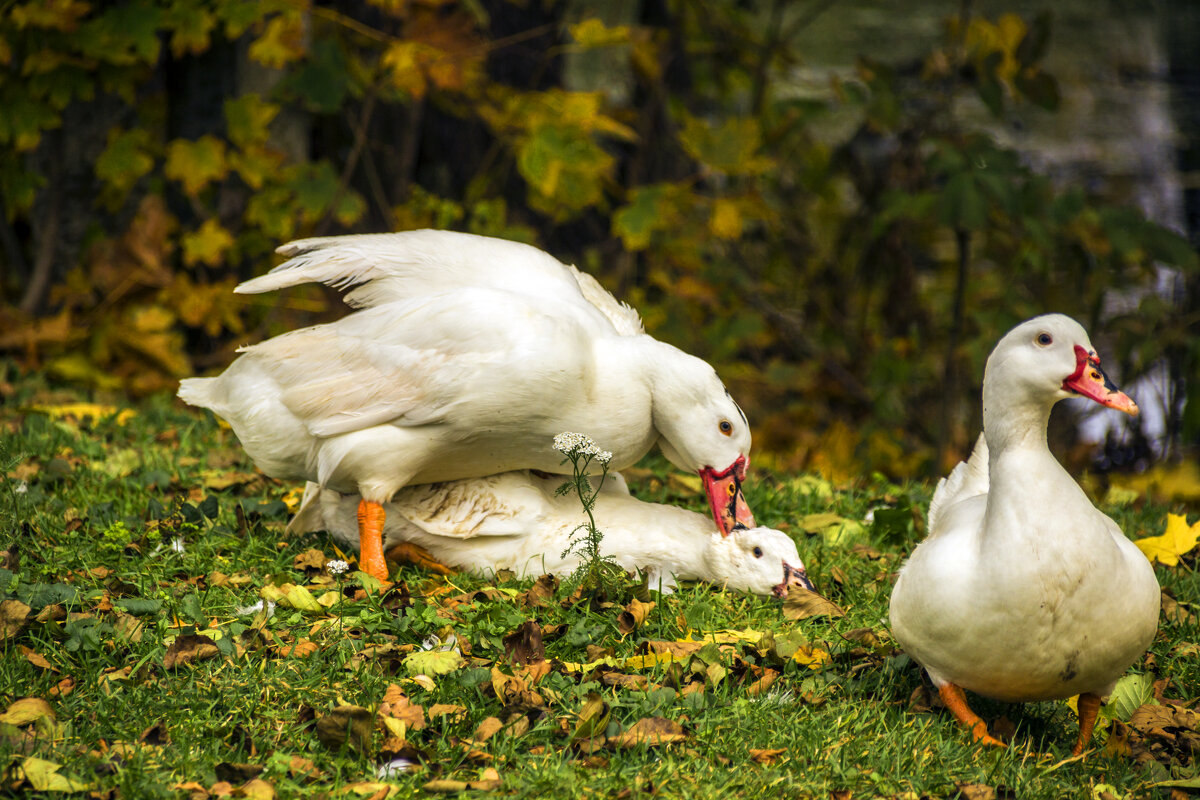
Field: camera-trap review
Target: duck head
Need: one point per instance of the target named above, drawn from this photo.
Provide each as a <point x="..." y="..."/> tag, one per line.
<point x="1044" y="360"/>
<point x="759" y="560"/>
<point x="703" y="431"/>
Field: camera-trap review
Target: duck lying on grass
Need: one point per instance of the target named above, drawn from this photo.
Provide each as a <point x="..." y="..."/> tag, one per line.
<point x="468" y="354"/>
<point x="516" y="521"/>
<point x="1023" y="590"/>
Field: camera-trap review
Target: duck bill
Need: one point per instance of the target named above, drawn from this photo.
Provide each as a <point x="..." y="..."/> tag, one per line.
<point x="1090" y="381"/>
<point x="725" y="498"/>
<point x="793" y="576"/>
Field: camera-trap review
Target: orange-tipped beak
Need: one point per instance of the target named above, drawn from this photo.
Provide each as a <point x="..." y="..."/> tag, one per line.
<point x="724" y="490"/>
<point x="1091" y="382"/>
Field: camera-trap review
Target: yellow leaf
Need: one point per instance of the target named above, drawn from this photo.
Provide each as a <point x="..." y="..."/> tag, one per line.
<point x="43" y="776"/>
<point x="27" y="710"/>
<point x="281" y="43"/>
<point x="1177" y="540"/>
<point x="291" y="596"/>
<point x="197" y="163"/>
<point x="592" y="32"/>
<point x="403" y="61"/>
<point x="82" y="411"/>
<point x="206" y="245"/>
<point x="726" y="219"/>
<point x="811" y="657"/>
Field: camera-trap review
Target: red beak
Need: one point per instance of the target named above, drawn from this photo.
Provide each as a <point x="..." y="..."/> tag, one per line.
<point x="724" y="490"/>
<point x="1091" y="382"/>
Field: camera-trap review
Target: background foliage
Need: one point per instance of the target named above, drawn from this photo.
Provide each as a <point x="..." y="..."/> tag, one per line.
<point x="847" y="286"/>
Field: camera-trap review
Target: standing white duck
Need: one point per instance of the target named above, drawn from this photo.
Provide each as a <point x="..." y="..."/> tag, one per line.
<point x="1023" y="590"/>
<point x="517" y="521"/>
<point x="467" y="356"/>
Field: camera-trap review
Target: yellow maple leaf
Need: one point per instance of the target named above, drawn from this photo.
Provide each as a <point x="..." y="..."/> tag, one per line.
<point x="1177" y="540"/>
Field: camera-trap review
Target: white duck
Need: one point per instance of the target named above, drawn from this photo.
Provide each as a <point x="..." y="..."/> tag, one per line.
<point x="517" y="521"/>
<point x="1023" y="590"/>
<point x="467" y="356"/>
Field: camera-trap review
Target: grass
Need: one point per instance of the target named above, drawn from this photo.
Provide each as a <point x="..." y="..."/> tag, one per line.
<point x="124" y="536"/>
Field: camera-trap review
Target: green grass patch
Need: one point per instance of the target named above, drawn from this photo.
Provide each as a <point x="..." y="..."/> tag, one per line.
<point x="134" y="664"/>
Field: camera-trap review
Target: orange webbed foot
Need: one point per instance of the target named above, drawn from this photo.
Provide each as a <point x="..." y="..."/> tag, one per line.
<point x="409" y="553"/>
<point x="956" y="701"/>
<point x="370" y="540"/>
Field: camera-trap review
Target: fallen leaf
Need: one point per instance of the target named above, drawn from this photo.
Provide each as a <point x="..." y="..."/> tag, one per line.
<point x="541" y="593"/>
<point x="633" y="616"/>
<point x="257" y="789"/>
<point x="1174" y="611"/>
<point x="44" y="776"/>
<point x="302" y="648"/>
<point x="762" y="684"/>
<point x="767" y="756"/>
<point x="592" y="719"/>
<point x="346" y="725"/>
<point x="395" y="704"/>
<point x="487" y="729"/>
<point x="804" y="604"/>
<point x="37" y="659"/>
<point x="27" y="710"/>
<point x="236" y="772"/>
<point x="302" y="767"/>
<point x="976" y="791"/>
<point x="311" y="559"/>
<point x="432" y="662"/>
<point x="449" y="710"/>
<point x="524" y="645"/>
<point x="13" y="615"/>
<point x="289" y="595"/>
<point x="189" y="648"/>
<point x="649" y="731"/>
<point x="1177" y="540"/>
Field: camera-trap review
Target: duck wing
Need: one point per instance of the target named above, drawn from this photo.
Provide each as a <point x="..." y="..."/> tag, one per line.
<point x="386" y="267"/>
<point x="424" y="362"/>
<point x="967" y="480"/>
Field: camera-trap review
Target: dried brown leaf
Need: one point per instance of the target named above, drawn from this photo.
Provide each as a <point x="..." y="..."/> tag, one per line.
<point x="237" y="772"/>
<point x="487" y="729"/>
<point x="804" y="604"/>
<point x="346" y="725"/>
<point x="524" y="645"/>
<point x="189" y="648"/>
<point x="633" y="616"/>
<point x="976" y="791"/>
<point x="13" y="616"/>
<point x="396" y="704"/>
<point x="311" y="559"/>
<point x="257" y="789"/>
<point x="767" y="756"/>
<point x="454" y="712"/>
<point x="649" y="731"/>
<point x="37" y="659"/>
<point x="762" y="684"/>
<point x="541" y="593"/>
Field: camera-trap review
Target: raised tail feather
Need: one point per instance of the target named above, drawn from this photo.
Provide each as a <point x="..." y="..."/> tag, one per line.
<point x="197" y="392"/>
<point x="968" y="479"/>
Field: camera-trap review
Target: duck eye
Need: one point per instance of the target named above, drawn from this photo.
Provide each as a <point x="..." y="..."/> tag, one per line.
<point x="1045" y="339"/>
<point x="758" y="552"/>
<point x="726" y="427"/>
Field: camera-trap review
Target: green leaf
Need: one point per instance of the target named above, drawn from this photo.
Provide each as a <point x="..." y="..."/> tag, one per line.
<point x="206" y="245"/>
<point x="247" y="119"/>
<point x="565" y="169"/>
<point x="1131" y="692"/>
<point x="1033" y="44"/>
<point x="636" y="222"/>
<point x="44" y="776"/>
<point x="1040" y="88"/>
<point x="731" y="147"/>
<point x="125" y="160"/>
<point x="197" y="163"/>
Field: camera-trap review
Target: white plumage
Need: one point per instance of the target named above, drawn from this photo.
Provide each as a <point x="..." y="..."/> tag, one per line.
<point x="1023" y="590"/>
<point x="467" y="356"/>
<point x="516" y="521"/>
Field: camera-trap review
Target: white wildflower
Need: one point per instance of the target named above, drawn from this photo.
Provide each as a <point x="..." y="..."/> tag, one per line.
<point x="336" y="566"/>
<point x="576" y="444"/>
<point x="21" y="488"/>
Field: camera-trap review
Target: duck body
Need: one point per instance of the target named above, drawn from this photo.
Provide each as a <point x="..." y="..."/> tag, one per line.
<point x="516" y="521"/>
<point x="1023" y="590"/>
<point x="466" y="357"/>
<point x="1034" y="610"/>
